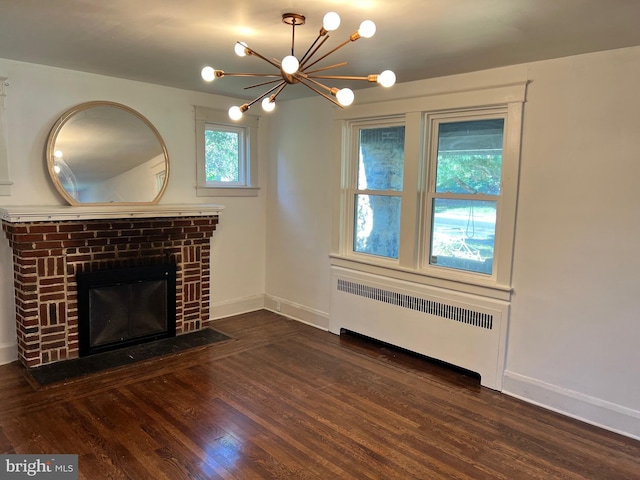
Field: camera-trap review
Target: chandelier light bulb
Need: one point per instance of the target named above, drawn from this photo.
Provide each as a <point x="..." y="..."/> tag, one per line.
<point x="387" y="79"/>
<point x="367" y="29"/>
<point x="345" y="97"/>
<point x="208" y="74"/>
<point x="235" y="113"/>
<point x="56" y="168"/>
<point x="290" y="64"/>
<point x="331" y="21"/>
<point x="57" y="154"/>
<point x="240" y="49"/>
<point x="268" y="105"/>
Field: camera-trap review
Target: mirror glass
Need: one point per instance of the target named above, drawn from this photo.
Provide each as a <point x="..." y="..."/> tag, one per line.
<point x="105" y="153"/>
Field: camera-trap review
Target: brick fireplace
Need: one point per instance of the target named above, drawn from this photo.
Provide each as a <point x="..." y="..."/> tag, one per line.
<point x="51" y="246"/>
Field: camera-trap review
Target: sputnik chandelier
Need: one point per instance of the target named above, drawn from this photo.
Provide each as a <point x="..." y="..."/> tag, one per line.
<point x="292" y="70"/>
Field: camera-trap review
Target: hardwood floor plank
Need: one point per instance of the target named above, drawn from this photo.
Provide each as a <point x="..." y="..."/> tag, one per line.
<point x="173" y="425"/>
<point x="283" y="400"/>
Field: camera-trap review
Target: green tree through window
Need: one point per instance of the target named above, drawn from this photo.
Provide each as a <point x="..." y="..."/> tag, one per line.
<point x="222" y="156"/>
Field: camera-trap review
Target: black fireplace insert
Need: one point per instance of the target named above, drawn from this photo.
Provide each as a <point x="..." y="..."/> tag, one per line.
<point x="125" y="306"/>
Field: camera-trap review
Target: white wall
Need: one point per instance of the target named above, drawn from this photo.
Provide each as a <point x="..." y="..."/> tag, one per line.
<point x="8" y="348"/>
<point x="574" y="335"/>
<point x="299" y="214"/>
<point x="575" y="324"/>
<point x="37" y="95"/>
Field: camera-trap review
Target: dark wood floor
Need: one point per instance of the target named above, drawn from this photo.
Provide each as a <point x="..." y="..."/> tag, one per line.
<point x="284" y="400"/>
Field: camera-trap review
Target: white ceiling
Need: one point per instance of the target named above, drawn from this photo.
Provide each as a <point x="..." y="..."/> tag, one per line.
<point x="168" y="42"/>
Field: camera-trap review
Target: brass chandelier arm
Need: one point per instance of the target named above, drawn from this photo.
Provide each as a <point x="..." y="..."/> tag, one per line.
<point x="370" y="78"/>
<point x="251" y="51"/>
<point x="293" y="35"/>
<point x="328" y="53"/>
<point x="306" y="57"/>
<point x="341" y="64"/>
<point x="321" y="85"/>
<point x="233" y="74"/>
<point x="279" y="79"/>
<point x="262" y="95"/>
<point x="282" y="85"/>
<point x="303" y="82"/>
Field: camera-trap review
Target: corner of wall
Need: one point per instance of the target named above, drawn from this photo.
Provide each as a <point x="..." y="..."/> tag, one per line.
<point x="236" y="306"/>
<point x="298" y="312"/>
<point x="8" y="353"/>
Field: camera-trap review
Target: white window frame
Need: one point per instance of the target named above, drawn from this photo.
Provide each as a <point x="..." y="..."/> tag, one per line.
<point x="432" y="123"/>
<point x="247" y="128"/>
<point x="419" y="114"/>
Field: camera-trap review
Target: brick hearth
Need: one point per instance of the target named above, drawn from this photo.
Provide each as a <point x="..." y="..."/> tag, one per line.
<point x="47" y="255"/>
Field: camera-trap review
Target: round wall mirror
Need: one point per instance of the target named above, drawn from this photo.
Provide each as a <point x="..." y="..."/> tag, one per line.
<point x="106" y="153"/>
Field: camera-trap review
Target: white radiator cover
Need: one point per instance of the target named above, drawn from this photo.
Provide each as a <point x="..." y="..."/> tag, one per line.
<point x="461" y="329"/>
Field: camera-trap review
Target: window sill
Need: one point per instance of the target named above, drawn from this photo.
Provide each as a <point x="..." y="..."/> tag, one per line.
<point x="487" y="288"/>
<point x="227" y="191"/>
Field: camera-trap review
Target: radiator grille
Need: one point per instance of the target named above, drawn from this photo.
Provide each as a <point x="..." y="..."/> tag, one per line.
<point x="432" y="307"/>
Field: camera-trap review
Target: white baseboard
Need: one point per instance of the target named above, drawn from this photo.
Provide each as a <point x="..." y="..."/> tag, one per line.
<point x="8" y="353"/>
<point x="592" y="410"/>
<point x="298" y="312"/>
<point x="236" y="306"/>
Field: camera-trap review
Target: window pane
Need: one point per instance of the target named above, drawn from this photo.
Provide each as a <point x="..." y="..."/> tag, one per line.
<point x="470" y="157"/>
<point x="221" y="156"/>
<point x="381" y="162"/>
<point x="463" y="234"/>
<point x="377" y="225"/>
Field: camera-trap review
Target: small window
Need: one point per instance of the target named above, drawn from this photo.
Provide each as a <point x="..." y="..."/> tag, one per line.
<point x="226" y="154"/>
<point x="223" y="155"/>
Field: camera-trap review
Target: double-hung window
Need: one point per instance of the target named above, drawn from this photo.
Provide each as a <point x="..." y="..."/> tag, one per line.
<point x="429" y="195"/>
<point x="464" y="191"/>
<point x="378" y="193"/>
<point x="226" y="154"/>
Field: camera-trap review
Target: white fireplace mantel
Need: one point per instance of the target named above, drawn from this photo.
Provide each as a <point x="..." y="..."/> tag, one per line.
<point x="42" y="213"/>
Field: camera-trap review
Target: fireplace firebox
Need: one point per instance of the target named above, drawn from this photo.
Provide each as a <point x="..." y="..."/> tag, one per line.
<point x="125" y="306"/>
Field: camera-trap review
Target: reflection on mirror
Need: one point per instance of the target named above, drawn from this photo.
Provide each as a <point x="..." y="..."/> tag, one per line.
<point x="105" y="153"/>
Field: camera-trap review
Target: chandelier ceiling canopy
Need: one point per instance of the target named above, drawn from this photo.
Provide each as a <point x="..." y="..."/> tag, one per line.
<point x="292" y="69"/>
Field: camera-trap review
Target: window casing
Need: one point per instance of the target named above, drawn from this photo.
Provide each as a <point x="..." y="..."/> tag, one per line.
<point x="226" y="154"/>
<point x="458" y="196"/>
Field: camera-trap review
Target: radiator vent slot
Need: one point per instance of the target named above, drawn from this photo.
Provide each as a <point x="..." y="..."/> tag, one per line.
<point x="432" y="307"/>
